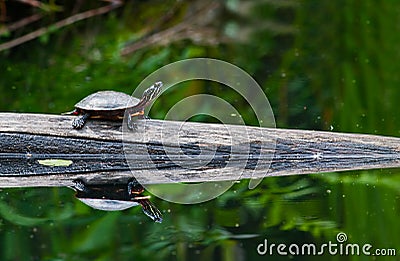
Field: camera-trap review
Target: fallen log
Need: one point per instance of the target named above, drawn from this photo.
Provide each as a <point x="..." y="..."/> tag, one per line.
<point x="44" y="150"/>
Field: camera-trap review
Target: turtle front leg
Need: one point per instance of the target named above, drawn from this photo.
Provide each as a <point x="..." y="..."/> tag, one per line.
<point x="80" y="121"/>
<point x="131" y="123"/>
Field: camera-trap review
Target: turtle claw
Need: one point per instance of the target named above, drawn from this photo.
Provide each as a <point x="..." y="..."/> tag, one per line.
<point x="131" y="123"/>
<point x="132" y="126"/>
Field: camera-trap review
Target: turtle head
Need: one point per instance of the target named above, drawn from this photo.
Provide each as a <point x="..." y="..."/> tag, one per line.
<point x="148" y="96"/>
<point x="152" y="92"/>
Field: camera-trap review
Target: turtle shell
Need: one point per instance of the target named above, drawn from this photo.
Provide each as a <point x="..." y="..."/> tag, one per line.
<point x="108" y="204"/>
<point x="107" y="101"/>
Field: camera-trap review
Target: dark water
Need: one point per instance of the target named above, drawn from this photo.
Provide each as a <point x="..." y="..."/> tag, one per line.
<point x="326" y="66"/>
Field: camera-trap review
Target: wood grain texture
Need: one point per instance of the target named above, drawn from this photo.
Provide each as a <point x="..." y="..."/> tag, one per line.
<point x="168" y="151"/>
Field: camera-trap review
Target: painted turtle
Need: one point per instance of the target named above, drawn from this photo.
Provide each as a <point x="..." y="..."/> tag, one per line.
<point x="115" y="197"/>
<point x="112" y="105"/>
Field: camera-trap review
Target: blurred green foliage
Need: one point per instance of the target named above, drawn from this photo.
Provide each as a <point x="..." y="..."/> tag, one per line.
<point x="328" y="65"/>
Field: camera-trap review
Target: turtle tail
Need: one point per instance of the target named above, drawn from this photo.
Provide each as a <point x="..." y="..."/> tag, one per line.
<point x="74" y="112"/>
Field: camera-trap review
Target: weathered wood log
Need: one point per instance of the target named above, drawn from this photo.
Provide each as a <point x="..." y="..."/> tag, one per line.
<point x="44" y="150"/>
